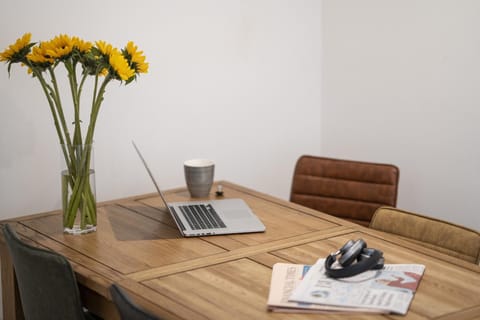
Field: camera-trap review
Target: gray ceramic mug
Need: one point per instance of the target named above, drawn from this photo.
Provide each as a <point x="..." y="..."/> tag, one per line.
<point x="199" y="176"/>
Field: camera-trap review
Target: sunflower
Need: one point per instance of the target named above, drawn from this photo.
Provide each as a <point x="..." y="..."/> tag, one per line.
<point x="40" y="55"/>
<point x="120" y="65"/>
<point x="104" y="48"/>
<point x="103" y="72"/>
<point x="59" y="47"/>
<point x="81" y="45"/>
<point x="136" y="58"/>
<point x="16" y="52"/>
<point x="116" y="60"/>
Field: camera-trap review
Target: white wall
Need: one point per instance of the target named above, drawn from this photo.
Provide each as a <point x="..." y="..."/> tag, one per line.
<point x="234" y="81"/>
<point x="401" y="84"/>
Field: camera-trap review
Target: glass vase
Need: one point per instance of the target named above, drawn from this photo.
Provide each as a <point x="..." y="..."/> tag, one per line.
<point x="78" y="190"/>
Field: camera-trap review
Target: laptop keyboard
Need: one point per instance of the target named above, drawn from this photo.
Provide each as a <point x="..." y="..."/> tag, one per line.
<point x="202" y="216"/>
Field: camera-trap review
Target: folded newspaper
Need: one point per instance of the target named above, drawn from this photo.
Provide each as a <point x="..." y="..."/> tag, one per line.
<point x="301" y="288"/>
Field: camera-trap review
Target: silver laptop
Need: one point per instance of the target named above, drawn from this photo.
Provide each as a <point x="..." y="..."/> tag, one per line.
<point x="209" y="217"/>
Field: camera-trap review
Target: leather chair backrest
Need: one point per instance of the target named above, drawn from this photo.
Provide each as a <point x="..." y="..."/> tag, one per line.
<point x="442" y="236"/>
<point x="352" y="190"/>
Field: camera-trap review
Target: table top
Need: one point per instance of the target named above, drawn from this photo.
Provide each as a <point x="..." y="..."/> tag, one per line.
<point x="138" y="246"/>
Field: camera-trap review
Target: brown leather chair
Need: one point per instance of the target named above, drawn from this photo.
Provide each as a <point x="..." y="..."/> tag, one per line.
<point x="442" y="236"/>
<point x="351" y="190"/>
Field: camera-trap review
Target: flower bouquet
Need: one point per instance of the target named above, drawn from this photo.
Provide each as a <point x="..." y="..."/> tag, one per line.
<point x="82" y="60"/>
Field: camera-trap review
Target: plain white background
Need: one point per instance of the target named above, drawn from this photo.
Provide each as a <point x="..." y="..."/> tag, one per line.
<point x="253" y="85"/>
<point x="237" y="82"/>
<point x="401" y="84"/>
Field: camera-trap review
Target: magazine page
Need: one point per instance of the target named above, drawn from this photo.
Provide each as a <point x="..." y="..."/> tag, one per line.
<point x="285" y="278"/>
<point x="390" y="289"/>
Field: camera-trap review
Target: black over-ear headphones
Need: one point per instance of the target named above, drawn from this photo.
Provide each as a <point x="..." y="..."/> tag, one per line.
<point x="367" y="258"/>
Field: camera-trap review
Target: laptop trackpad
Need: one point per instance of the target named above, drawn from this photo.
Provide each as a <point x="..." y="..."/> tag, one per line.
<point x="232" y="209"/>
<point x="234" y="214"/>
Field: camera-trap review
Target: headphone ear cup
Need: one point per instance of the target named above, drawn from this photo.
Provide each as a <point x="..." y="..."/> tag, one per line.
<point x="347" y="246"/>
<point x="367" y="253"/>
<point x="352" y="252"/>
<point x="379" y="264"/>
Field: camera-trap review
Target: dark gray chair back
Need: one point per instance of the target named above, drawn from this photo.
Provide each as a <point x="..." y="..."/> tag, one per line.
<point x="127" y="309"/>
<point x="46" y="282"/>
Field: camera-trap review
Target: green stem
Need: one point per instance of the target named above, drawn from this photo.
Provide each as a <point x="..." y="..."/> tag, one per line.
<point x="66" y="150"/>
<point x="58" y="105"/>
<point x="72" y="77"/>
<point x="82" y="199"/>
<point x="80" y="87"/>
<point x="97" y="102"/>
<point x="47" y="90"/>
<point x="83" y="179"/>
<point x="55" y="93"/>
<point x="77" y="157"/>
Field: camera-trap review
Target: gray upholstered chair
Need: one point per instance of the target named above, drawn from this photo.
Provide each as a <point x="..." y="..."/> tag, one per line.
<point x="446" y="237"/>
<point x="126" y="307"/>
<point x="351" y="190"/>
<point x="46" y="282"/>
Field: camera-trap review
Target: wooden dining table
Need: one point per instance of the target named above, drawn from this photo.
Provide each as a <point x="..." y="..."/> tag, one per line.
<point x="138" y="247"/>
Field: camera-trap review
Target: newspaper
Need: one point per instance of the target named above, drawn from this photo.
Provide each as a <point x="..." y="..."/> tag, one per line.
<point x="285" y="278"/>
<point x="390" y="289"/>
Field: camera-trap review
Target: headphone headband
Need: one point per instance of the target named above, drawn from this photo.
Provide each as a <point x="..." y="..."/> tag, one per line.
<point x="367" y="258"/>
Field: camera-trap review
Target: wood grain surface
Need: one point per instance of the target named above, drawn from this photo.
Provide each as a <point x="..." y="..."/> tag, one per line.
<point x="138" y="246"/>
